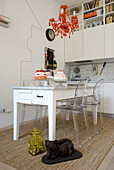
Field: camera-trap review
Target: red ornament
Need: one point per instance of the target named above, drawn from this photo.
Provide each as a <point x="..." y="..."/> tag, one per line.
<point x="62" y="26"/>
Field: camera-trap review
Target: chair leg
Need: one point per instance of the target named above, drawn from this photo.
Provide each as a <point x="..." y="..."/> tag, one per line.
<point x="22" y="118"/>
<point x="76" y="128"/>
<point x="81" y="118"/>
<point x="94" y="113"/>
<point x="101" y="115"/>
<point x="70" y="117"/>
<point x="63" y="121"/>
<point x="40" y="112"/>
<point x="36" y="116"/>
<point x="67" y="115"/>
<point x="87" y="127"/>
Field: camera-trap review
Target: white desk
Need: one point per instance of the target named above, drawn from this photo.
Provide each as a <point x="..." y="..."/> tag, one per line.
<point x="43" y="96"/>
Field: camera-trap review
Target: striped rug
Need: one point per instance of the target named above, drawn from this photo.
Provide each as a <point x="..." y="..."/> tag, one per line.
<point x="15" y="153"/>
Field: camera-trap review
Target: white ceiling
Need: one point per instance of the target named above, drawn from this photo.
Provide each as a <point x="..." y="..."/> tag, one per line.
<point x="70" y="3"/>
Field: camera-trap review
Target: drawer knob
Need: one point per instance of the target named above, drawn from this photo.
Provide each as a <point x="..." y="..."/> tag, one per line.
<point x="39" y="96"/>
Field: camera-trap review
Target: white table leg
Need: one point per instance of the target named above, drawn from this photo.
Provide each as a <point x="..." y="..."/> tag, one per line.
<point x="15" y="120"/>
<point x="22" y="116"/>
<point x="52" y="117"/>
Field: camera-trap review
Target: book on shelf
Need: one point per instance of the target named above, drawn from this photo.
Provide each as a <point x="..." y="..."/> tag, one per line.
<point x="108" y="1"/>
<point x="106" y="9"/>
<point x="96" y="3"/>
<point x="90" y="6"/>
<point x="93" y="13"/>
<point x="109" y="8"/>
<point x="90" y="14"/>
<point x="109" y="19"/>
<point x="100" y="2"/>
<point x="87" y="6"/>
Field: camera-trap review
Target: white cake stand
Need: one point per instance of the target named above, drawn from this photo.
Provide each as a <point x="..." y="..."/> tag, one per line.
<point x="60" y="82"/>
<point x="39" y="82"/>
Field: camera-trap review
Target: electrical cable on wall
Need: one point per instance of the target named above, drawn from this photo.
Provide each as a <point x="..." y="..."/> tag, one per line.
<point x="32" y="27"/>
<point x="41" y="28"/>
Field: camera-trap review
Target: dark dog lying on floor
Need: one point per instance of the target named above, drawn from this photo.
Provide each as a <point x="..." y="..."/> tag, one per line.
<point x="58" y="148"/>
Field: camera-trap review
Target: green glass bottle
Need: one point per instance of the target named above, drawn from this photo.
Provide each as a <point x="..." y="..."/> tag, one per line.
<point x="35" y="142"/>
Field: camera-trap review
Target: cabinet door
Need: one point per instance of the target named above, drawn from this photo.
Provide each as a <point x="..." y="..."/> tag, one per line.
<point x="73" y="47"/>
<point x="109" y="40"/>
<point x="109" y="98"/>
<point x="93" y="40"/>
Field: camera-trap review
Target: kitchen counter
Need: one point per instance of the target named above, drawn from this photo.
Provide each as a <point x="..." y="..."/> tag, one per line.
<point x="74" y="83"/>
<point x="67" y="86"/>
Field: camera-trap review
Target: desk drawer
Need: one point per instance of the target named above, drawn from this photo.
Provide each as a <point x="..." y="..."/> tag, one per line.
<point x="38" y="97"/>
<point x="25" y="94"/>
<point x="25" y="101"/>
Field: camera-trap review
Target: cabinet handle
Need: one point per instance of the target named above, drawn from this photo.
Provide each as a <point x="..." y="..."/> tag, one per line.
<point x="39" y="96"/>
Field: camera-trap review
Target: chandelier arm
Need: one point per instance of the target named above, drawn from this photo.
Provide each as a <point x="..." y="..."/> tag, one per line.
<point x="56" y="21"/>
<point x="68" y="15"/>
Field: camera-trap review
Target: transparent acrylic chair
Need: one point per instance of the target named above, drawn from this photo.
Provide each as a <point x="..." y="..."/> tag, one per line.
<point x="78" y="107"/>
<point x="95" y="101"/>
<point x="40" y="112"/>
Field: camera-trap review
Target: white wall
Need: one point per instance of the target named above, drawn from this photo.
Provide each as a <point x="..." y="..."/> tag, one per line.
<point x="29" y="20"/>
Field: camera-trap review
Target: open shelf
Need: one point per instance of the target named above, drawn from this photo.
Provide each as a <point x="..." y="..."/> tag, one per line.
<point x="80" y="13"/>
<point x="93" y="13"/>
<point x="77" y="9"/>
<point x="109" y="13"/>
<point x="109" y="17"/>
<point x="109" y="8"/>
<point x="93" y="9"/>
<point x="110" y="23"/>
<point x="79" y="20"/>
<point x="109" y="3"/>
<point x="93" y="18"/>
<point x="93" y="23"/>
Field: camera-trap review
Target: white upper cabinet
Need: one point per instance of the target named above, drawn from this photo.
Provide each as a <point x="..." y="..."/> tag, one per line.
<point x="93" y="40"/>
<point x="73" y="47"/>
<point x="109" y="40"/>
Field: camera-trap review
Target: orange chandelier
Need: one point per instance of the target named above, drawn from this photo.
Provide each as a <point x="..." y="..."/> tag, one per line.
<point x="62" y="26"/>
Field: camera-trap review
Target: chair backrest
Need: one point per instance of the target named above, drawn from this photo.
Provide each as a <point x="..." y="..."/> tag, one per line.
<point x="97" y="91"/>
<point x="27" y="82"/>
<point x="81" y="99"/>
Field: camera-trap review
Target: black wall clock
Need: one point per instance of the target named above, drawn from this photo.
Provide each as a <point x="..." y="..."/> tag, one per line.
<point x="50" y="34"/>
